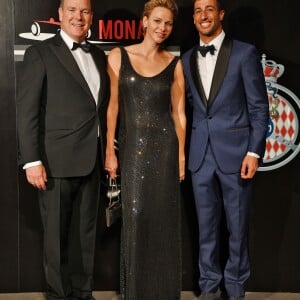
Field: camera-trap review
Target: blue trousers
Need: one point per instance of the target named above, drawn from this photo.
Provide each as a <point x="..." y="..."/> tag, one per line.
<point x="214" y="190"/>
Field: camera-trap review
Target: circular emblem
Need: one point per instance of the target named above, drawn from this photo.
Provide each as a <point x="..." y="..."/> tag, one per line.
<point x="283" y="138"/>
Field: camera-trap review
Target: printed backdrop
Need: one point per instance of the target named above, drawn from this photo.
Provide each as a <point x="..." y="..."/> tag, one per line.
<point x="273" y="27"/>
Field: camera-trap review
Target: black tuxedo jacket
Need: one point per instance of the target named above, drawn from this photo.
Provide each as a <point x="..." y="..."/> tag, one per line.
<point x="57" y="116"/>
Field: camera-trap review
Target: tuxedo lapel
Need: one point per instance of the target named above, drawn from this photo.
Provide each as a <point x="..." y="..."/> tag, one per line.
<point x="220" y="69"/>
<point x="63" y="54"/>
<point x="196" y="75"/>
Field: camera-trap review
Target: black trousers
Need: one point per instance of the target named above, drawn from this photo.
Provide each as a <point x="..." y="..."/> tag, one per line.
<point x="69" y="210"/>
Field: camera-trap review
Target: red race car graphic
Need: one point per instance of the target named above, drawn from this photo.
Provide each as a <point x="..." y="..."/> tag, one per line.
<point x="47" y="26"/>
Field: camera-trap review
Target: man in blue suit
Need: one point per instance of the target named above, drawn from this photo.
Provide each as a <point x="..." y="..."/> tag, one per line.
<point x="226" y="88"/>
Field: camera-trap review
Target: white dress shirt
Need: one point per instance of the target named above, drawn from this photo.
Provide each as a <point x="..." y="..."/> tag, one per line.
<point x="206" y="64"/>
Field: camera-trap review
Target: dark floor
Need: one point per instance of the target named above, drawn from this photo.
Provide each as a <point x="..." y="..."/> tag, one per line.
<point x="185" y="296"/>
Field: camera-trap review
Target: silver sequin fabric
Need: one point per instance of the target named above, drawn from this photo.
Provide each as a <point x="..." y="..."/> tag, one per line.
<point x="150" y="247"/>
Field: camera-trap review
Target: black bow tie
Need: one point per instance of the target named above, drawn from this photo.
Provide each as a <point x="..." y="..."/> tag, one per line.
<point x="204" y="49"/>
<point x="85" y="47"/>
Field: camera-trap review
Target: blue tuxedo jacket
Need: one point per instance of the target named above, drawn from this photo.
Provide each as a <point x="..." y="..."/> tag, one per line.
<point x="234" y="118"/>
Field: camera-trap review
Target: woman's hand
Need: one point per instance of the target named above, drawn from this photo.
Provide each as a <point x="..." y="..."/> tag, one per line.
<point x="111" y="165"/>
<point x="181" y="168"/>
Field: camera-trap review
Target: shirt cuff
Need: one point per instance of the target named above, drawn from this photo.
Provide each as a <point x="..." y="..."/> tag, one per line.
<point x="253" y="154"/>
<point x="32" y="164"/>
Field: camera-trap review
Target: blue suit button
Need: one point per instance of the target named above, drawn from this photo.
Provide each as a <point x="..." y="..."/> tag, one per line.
<point x="209" y="117"/>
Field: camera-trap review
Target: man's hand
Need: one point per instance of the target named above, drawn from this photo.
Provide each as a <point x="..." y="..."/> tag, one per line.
<point x="37" y="176"/>
<point x="249" y="167"/>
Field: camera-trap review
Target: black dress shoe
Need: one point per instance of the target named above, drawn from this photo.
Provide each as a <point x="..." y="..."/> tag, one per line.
<point x="210" y="296"/>
<point x="83" y="298"/>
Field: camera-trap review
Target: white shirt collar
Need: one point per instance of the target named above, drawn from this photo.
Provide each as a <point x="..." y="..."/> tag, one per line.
<point x="217" y="41"/>
<point x="67" y="39"/>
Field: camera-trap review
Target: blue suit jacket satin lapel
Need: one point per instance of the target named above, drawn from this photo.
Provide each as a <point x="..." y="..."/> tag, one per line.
<point x="219" y="73"/>
<point x="235" y="117"/>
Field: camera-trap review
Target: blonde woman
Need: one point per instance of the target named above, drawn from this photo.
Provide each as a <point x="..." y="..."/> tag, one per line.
<point x="147" y="95"/>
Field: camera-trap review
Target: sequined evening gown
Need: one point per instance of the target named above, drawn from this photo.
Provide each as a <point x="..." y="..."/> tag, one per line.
<point x="150" y="250"/>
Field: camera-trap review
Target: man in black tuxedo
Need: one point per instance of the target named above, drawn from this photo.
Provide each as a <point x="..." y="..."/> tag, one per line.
<point x="61" y="122"/>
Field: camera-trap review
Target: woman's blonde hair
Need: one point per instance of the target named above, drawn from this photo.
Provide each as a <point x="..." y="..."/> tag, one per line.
<point x="169" y="4"/>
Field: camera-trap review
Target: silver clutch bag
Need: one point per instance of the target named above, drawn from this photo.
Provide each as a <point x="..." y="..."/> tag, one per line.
<point x="114" y="208"/>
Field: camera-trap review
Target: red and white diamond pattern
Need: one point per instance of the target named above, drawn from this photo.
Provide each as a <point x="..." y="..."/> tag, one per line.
<point x="284" y="130"/>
